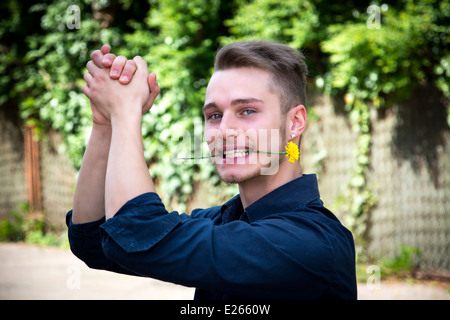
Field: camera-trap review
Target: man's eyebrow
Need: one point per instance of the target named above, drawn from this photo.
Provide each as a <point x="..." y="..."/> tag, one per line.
<point x="245" y="101"/>
<point x="233" y="103"/>
<point x="209" y="105"/>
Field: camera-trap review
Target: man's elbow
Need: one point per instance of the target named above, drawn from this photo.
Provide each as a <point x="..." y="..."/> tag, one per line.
<point x="92" y="256"/>
<point x="114" y="253"/>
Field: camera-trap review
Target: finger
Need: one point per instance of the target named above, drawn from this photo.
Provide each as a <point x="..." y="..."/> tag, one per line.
<point x="105" y="49"/>
<point x="92" y="68"/>
<point x="97" y="57"/>
<point x="128" y="72"/>
<point x="108" y="60"/>
<point x="117" y="67"/>
<point x="86" y="90"/>
<point x="153" y="85"/>
<point x="154" y="91"/>
<point x="142" y="67"/>
<point x="88" y="78"/>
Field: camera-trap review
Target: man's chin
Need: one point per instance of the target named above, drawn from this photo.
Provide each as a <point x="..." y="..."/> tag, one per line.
<point x="233" y="178"/>
<point x="248" y="173"/>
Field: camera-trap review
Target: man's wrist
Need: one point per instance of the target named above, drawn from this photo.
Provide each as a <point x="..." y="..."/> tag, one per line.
<point x="130" y="115"/>
<point x="104" y="130"/>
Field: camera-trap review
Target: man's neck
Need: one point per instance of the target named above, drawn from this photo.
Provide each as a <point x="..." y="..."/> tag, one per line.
<point x="257" y="187"/>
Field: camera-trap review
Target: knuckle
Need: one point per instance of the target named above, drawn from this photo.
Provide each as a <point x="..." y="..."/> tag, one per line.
<point x="95" y="54"/>
<point x="101" y="77"/>
<point x="119" y="62"/>
<point x="110" y="56"/>
<point x="130" y="66"/>
<point x="156" y="89"/>
<point x="126" y="74"/>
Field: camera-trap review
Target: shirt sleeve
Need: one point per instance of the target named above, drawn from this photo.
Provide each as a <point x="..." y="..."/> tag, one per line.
<point x="85" y="243"/>
<point x="247" y="260"/>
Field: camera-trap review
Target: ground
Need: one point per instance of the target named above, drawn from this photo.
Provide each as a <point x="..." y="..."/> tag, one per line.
<point x="33" y="272"/>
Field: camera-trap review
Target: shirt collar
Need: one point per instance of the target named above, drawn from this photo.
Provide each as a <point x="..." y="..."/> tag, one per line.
<point x="286" y="198"/>
<point x="232" y="209"/>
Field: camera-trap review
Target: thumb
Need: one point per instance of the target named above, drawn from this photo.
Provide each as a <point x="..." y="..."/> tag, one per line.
<point x="154" y="91"/>
<point x="105" y="49"/>
<point x="142" y="67"/>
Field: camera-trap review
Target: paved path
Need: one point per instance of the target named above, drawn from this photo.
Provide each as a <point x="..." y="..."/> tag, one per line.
<point x="31" y="272"/>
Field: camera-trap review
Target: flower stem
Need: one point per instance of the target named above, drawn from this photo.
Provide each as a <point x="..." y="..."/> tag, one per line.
<point x="217" y="155"/>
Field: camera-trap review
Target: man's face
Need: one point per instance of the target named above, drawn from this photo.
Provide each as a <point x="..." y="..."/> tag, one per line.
<point x="242" y="116"/>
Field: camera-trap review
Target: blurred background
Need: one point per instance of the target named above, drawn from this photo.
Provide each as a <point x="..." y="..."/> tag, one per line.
<point x="378" y="111"/>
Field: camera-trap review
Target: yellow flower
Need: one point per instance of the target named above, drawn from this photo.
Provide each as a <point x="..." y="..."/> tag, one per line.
<point x="292" y="152"/>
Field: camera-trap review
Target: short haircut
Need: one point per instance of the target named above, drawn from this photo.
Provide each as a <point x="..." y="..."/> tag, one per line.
<point x="286" y="65"/>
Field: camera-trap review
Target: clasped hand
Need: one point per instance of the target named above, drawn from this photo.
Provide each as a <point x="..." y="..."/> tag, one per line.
<point x="117" y="87"/>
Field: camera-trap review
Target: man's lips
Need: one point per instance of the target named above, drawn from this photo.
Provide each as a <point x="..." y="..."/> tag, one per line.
<point x="230" y="152"/>
<point x="235" y="153"/>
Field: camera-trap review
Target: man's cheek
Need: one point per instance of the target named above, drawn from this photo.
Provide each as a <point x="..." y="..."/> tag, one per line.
<point x="214" y="140"/>
<point x="269" y="143"/>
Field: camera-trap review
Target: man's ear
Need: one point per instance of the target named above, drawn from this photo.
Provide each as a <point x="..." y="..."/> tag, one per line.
<point x="297" y="121"/>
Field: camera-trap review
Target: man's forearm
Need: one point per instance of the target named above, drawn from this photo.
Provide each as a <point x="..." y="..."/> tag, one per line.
<point x="127" y="175"/>
<point x="89" y="198"/>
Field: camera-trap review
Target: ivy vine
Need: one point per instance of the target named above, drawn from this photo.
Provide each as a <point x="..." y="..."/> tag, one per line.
<point x="358" y="198"/>
<point x="376" y="68"/>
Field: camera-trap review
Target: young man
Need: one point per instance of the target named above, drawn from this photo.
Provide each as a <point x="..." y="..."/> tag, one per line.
<point x="275" y="240"/>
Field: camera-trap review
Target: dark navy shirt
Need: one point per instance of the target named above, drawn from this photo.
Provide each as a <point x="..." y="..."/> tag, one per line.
<point x="286" y="245"/>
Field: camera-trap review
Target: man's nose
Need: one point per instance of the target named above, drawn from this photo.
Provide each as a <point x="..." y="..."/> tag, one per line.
<point x="228" y="126"/>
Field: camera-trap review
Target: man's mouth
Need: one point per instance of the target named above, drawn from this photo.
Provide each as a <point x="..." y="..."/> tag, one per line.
<point x="235" y="153"/>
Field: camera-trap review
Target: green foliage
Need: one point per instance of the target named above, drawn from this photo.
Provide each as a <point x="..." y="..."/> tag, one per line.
<point x="45" y="71"/>
<point x="19" y="226"/>
<point x="12" y="229"/>
<point x="409" y="49"/>
<point x="291" y="22"/>
<point x="402" y="264"/>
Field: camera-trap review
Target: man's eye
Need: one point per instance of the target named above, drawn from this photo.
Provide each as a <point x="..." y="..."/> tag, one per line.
<point x="215" y="116"/>
<point x="248" y="111"/>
